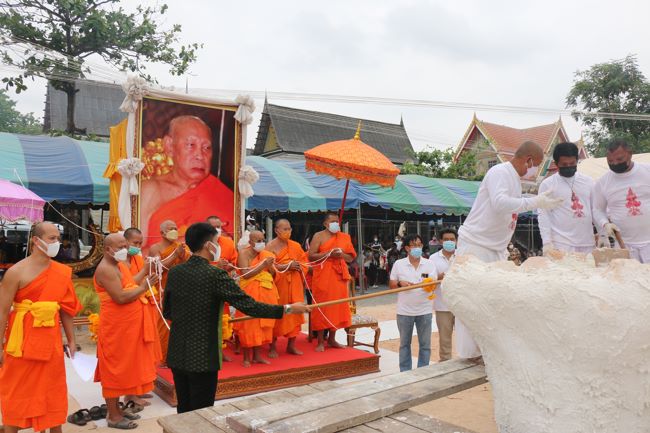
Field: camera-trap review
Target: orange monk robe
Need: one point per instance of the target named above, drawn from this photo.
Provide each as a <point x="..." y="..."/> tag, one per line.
<point x="210" y="197"/>
<point x="163" y="331"/>
<point x="136" y="264"/>
<point x="330" y="282"/>
<point x="33" y="390"/>
<point x="290" y="289"/>
<point x="255" y="332"/>
<point x="125" y="360"/>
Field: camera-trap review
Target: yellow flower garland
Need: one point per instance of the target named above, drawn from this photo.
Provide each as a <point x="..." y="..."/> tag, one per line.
<point x="226" y="329"/>
<point x="429" y="288"/>
<point x="94" y="326"/>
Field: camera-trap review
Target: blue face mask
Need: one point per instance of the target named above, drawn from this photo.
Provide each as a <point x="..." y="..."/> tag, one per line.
<point x="416" y="252"/>
<point x="334" y="227"/>
<point x="449" y="246"/>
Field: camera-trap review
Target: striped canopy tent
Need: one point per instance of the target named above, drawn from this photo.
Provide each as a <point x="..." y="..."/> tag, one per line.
<point x="288" y="186"/>
<point x="57" y="169"/>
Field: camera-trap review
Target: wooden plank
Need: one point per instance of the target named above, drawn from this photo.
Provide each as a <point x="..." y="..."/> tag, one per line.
<point x="187" y="422"/>
<point x="217" y="420"/>
<point x="250" y="420"/>
<point x="224" y="409"/>
<point x="390" y="425"/>
<point x="362" y="429"/>
<point x="324" y="385"/>
<point x="249" y="403"/>
<point x="277" y="397"/>
<point x="427" y="423"/>
<point x="362" y="410"/>
<point x="303" y="390"/>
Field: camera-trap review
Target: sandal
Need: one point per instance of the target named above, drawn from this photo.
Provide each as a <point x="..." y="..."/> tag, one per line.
<point x="133" y="407"/>
<point x="130" y="415"/>
<point x="95" y="413"/>
<point x="123" y="424"/>
<point x="78" y="418"/>
<point x="104" y="410"/>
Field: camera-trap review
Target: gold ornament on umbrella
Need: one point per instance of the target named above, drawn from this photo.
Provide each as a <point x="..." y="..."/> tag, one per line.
<point x="156" y="161"/>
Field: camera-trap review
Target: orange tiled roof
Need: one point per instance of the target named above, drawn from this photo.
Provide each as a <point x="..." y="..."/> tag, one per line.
<point x="507" y="139"/>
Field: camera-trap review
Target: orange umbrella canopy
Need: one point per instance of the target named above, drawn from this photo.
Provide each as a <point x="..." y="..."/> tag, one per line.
<point x="352" y="160"/>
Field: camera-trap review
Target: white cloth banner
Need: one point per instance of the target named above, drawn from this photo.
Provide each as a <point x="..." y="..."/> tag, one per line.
<point x="129" y="168"/>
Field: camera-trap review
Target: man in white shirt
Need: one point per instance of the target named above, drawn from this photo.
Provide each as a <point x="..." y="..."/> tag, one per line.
<point x="488" y="228"/>
<point x="622" y="200"/>
<point x="444" y="317"/>
<point x="413" y="306"/>
<point x="569" y="226"/>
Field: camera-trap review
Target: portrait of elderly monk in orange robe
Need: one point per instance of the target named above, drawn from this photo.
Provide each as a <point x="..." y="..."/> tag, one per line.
<point x="189" y="192"/>
<point x="33" y="390"/>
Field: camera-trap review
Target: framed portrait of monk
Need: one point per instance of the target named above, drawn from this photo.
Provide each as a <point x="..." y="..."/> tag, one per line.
<point x="191" y="154"/>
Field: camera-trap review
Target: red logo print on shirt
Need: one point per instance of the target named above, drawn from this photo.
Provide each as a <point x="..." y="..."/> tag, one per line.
<point x="632" y="204"/>
<point x="513" y="222"/>
<point x="576" y="206"/>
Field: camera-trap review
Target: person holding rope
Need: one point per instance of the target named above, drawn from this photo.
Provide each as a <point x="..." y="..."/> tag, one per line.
<point x="257" y="281"/>
<point x="170" y="252"/>
<point x="289" y="281"/>
<point x="330" y="280"/>
<point x="196" y="292"/>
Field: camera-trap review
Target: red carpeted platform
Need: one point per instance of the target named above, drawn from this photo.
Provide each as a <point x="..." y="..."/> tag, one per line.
<point x="285" y="371"/>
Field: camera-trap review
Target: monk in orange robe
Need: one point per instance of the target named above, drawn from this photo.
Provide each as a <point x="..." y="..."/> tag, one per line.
<point x="139" y="271"/>
<point x="171" y="253"/>
<point x="189" y="192"/>
<point x="125" y="356"/>
<point x="330" y="280"/>
<point x="33" y="390"/>
<point x="258" y="283"/>
<point x="289" y="280"/>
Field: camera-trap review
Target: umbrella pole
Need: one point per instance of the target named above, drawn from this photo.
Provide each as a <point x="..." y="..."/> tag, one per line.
<point x="345" y="196"/>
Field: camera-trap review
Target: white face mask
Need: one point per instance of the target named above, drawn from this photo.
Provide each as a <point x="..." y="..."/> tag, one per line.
<point x="121" y="255"/>
<point x="217" y="251"/>
<point x="259" y="246"/>
<point x="50" y="249"/>
<point x="399" y="244"/>
<point x="531" y="172"/>
<point x="218" y="232"/>
<point x="334" y="227"/>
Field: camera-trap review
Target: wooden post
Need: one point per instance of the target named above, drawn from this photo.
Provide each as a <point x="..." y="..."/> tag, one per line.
<point x="360" y="258"/>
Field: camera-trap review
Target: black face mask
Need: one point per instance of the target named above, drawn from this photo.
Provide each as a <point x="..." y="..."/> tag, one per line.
<point x="568" y="171"/>
<point x="621" y="167"/>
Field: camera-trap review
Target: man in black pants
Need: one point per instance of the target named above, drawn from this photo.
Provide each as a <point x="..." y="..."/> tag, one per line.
<point x="193" y="301"/>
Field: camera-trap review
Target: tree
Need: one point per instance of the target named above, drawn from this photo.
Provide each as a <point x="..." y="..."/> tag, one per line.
<point x="618" y="86"/>
<point x="12" y="120"/>
<point x="55" y="38"/>
<point x="440" y="164"/>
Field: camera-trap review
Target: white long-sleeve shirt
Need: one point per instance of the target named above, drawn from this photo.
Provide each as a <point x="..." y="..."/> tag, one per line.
<point x="625" y="200"/>
<point x="570" y="223"/>
<point x="493" y="217"/>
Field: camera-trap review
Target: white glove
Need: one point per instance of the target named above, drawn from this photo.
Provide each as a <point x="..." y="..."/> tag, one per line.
<point x="546" y="201"/>
<point x="610" y="228"/>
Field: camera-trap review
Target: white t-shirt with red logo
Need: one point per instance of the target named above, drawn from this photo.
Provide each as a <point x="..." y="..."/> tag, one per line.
<point x="624" y="198"/>
<point x="570" y="223"/>
<point x="493" y="217"/>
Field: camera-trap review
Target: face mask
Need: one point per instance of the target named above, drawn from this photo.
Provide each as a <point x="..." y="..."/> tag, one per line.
<point x="621" y="167"/>
<point x="172" y="235"/>
<point x="334" y="227"/>
<point x="449" y="246"/>
<point x="121" y="255"/>
<point x="416" y="252"/>
<point x="217" y="251"/>
<point x="532" y="171"/>
<point x="259" y="246"/>
<point x="219" y="231"/>
<point x="133" y="251"/>
<point x="284" y="235"/>
<point x="399" y="244"/>
<point x="568" y="171"/>
<point x="50" y="249"/>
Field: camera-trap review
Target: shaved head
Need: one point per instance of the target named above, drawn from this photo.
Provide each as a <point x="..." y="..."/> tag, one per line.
<point x="256" y="236"/>
<point x="39" y="229"/>
<point x="167" y="225"/>
<point x="114" y="239"/>
<point x="183" y="121"/>
<point x="282" y="222"/>
<point x="131" y="232"/>
<point x="530" y="149"/>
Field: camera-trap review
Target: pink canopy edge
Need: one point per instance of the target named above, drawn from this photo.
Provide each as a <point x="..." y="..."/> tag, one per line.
<point x="19" y="203"/>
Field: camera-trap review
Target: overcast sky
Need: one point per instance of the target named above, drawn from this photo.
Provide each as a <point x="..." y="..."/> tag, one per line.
<point x="516" y="53"/>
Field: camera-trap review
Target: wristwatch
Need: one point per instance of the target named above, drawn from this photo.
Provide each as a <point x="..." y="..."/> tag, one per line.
<point x="287" y="309"/>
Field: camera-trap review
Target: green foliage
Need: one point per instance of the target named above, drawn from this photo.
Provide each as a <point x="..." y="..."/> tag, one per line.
<point x="618" y="86"/>
<point x="88" y="298"/>
<point x="79" y="29"/>
<point x="440" y="164"/>
<point x="12" y="120"/>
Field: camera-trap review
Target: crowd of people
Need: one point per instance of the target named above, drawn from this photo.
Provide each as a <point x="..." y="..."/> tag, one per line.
<point x="173" y="306"/>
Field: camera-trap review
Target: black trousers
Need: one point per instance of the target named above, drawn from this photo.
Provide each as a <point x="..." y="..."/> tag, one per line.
<point x="194" y="390"/>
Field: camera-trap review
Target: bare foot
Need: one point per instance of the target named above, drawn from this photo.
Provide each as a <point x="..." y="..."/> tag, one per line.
<point x="226" y="358"/>
<point x="246" y="364"/>
<point x="261" y="361"/>
<point x="333" y="344"/>
<point x="137" y="400"/>
<point x="273" y="353"/>
<point x="320" y="347"/>
<point x="293" y="351"/>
